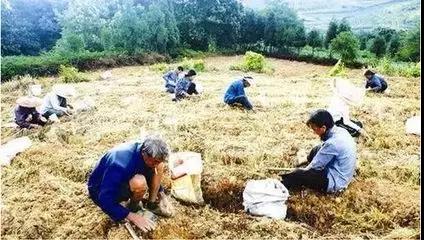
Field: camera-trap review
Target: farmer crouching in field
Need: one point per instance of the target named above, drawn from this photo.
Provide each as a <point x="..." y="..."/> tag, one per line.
<point x="185" y="86"/>
<point x="26" y="114"/>
<point x="55" y="103"/>
<point x="171" y="78"/>
<point x="346" y="95"/>
<point x="127" y="172"/>
<point x="332" y="164"/>
<point x="235" y="93"/>
<point x="374" y="82"/>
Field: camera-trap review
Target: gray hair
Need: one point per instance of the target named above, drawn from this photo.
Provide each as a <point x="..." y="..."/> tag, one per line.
<point x="154" y="146"/>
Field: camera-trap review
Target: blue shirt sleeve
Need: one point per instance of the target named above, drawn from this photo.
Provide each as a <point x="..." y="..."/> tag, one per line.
<point x="376" y="83"/>
<point x="167" y="76"/>
<point x="325" y="155"/>
<point x="109" y="193"/>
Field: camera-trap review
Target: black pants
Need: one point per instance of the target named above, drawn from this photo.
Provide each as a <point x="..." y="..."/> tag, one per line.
<point x="353" y="132"/>
<point x="190" y="91"/>
<point x="314" y="179"/>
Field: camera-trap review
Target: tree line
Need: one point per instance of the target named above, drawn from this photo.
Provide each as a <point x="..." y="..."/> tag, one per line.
<point x="165" y="26"/>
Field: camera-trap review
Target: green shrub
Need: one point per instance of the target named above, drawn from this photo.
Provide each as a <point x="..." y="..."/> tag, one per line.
<point x="48" y="64"/>
<point x="402" y="69"/>
<point x="160" y="67"/>
<point x="253" y="62"/>
<point x="198" y="65"/>
<point x="71" y="75"/>
<point x="338" y="70"/>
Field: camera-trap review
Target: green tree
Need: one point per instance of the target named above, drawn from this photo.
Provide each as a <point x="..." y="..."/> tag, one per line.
<point x="394" y="45"/>
<point x="331" y="33"/>
<point x="378" y="46"/>
<point x="410" y="45"/>
<point x="27" y="27"/>
<point x="344" y="26"/>
<point x="314" y="39"/>
<point x="347" y="45"/>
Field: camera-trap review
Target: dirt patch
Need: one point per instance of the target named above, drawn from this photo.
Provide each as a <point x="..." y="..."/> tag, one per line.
<point x="224" y="195"/>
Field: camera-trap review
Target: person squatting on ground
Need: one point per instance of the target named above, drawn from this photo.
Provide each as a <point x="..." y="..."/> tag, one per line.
<point x="345" y="95"/>
<point x="331" y="164"/>
<point x="26" y="114"/>
<point x="235" y="93"/>
<point x="56" y="102"/>
<point x="185" y="86"/>
<point x="171" y="78"/>
<point x="374" y="82"/>
<point x="127" y="172"/>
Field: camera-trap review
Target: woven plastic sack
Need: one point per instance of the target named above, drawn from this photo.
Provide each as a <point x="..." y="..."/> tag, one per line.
<point x="266" y="198"/>
<point x="186" y="188"/>
<point x="9" y="150"/>
<point x="413" y="125"/>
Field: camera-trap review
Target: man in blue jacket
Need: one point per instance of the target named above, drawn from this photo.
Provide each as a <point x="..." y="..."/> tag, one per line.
<point x="374" y="82"/>
<point x="126" y="172"/>
<point x="332" y="164"/>
<point x="171" y="78"/>
<point x="235" y="93"/>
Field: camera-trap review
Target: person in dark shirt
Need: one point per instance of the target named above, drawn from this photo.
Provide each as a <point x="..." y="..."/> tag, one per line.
<point x="127" y="172"/>
<point x="26" y="114"/>
<point x="374" y="82"/>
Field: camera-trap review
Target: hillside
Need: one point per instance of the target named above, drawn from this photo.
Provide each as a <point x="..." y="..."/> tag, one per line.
<point x="362" y="15"/>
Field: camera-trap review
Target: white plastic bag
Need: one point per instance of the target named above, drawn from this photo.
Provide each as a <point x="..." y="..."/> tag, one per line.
<point x="266" y="198"/>
<point x="9" y="150"/>
<point x="186" y="188"/>
<point x="413" y="125"/>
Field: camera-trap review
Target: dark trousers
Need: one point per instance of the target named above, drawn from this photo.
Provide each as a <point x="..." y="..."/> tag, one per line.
<point x="313" y="179"/>
<point x="241" y="100"/>
<point x="352" y="131"/>
<point x="190" y="91"/>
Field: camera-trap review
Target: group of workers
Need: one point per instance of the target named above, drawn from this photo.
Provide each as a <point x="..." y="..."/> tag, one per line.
<point x="125" y="174"/>
<point x="34" y="112"/>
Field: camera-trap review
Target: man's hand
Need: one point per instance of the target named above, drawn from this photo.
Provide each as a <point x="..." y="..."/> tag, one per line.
<point x="141" y="222"/>
<point x="34" y="126"/>
<point x="364" y="133"/>
<point x="43" y="119"/>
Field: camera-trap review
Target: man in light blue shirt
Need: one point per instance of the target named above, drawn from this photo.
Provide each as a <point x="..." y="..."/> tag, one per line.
<point x="171" y="78"/>
<point x="332" y="164"/>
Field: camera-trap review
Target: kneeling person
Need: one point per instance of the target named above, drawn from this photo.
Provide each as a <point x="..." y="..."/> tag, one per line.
<point x="171" y="78"/>
<point x="185" y="86"/>
<point x="125" y="173"/>
<point x="235" y="93"/>
<point x="26" y="114"/>
<point x="332" y="164"/>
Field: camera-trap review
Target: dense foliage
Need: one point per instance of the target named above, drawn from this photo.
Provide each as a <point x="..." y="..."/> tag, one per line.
<point x="68" y="28"/>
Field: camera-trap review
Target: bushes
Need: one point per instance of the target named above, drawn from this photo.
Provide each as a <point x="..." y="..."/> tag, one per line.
<point x="71" y="75"/>
<point x="160" y="67"/>
<point x="198" y="65"/>
<point x="253" y="62"/>
<point x="386" y="66"/>
<point x="49" y="64"/>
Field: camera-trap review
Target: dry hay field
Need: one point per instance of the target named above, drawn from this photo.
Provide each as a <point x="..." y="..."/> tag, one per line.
<point x="44" y="192"/>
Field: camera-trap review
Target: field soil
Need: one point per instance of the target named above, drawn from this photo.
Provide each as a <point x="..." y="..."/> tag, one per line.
<point x="44" y="195"/>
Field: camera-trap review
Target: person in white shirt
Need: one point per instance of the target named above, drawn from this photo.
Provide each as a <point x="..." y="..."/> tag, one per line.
<point x="345" y="95"/>
<point x="55" y="102"/>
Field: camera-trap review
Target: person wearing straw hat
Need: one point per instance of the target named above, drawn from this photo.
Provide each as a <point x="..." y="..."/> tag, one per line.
<point x="346" y="95"/>
<point x="171" y="78"/>
<point x="374" y="82"/>
<point x="56" y="102"/>
<point x="185" y="86"/>
<point x="124" y="174"/>
<point x="26" y="114"/>
<point x="331" y="164"/>
<point x="235" y="93"/>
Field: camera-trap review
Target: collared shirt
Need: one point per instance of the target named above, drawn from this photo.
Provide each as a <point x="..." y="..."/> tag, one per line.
<point x="338" y="108"/>
<point x="182" y="86"/>
<point x="170" y="78"/>
<point x="236" y="89"/>
<point x="22" y="113"/>
<point x="337" y="157"/>
<point x="376" y="82"/>
<point x="53" y="101"/>
<point x="114" y="170"/>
